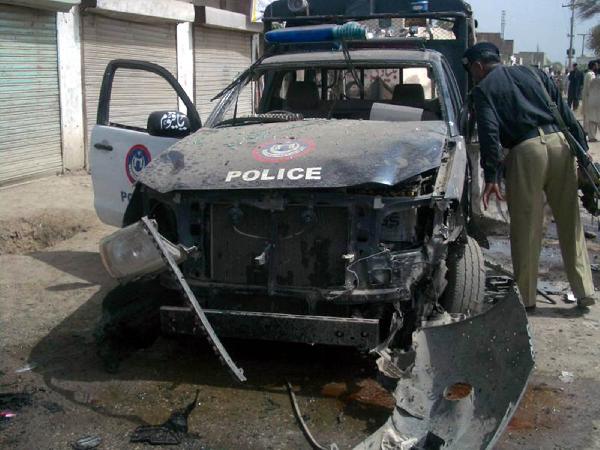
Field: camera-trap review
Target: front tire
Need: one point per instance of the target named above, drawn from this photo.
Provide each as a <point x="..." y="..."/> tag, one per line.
<point x="466" y="278"/>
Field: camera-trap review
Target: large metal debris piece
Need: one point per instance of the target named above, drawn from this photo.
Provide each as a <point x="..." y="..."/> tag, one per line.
<point x="466" y="382"/>
<point x="212" y="337"/>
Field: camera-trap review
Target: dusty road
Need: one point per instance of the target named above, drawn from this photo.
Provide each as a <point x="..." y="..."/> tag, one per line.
<point x="52" y="287"/>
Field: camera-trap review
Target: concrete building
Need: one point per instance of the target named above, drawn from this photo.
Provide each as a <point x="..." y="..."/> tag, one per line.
<point x="506" y="46"/>
<point x="53" y="54"/>
<point x="539" y="59"/>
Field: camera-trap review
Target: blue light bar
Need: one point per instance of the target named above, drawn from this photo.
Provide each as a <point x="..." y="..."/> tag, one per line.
<point x="317" y="33"/>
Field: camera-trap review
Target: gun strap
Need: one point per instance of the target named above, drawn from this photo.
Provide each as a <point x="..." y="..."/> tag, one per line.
<point x="553" y="107"/>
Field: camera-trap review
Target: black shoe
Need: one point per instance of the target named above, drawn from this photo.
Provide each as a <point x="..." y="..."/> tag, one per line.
<point x="586" y="302"/>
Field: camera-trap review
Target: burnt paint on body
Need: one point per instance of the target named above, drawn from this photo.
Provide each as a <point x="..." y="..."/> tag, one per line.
<point x="175" y="159"/>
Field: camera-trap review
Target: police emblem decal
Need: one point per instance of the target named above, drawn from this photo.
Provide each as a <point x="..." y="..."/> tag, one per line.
<point x="138" y="157"/>
<point x="282" y="150"/>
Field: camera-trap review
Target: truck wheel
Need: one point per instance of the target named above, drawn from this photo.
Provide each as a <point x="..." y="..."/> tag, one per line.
<point x="130" y="321"/>
<point x="466" y="278"/>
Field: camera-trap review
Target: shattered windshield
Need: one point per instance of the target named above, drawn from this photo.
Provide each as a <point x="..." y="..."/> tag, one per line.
<point x="399" y="93"/>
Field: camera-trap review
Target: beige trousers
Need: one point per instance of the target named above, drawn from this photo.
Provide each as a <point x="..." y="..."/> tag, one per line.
<point x="536" y="166"/>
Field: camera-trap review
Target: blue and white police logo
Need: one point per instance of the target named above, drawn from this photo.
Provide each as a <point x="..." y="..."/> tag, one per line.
<point x="282" y="150"/>
<point x="138" y="157"/>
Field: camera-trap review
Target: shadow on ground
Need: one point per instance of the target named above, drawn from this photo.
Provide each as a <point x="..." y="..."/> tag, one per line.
<point x="68" y="359"/>
<point x="81" y="264"/>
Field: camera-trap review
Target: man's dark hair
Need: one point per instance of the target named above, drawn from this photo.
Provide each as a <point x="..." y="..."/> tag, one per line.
<point x="488" y="58"/>
<point x="574" y="65"/>
<point x="591" y="64"/>
<point x="483" y="52"/>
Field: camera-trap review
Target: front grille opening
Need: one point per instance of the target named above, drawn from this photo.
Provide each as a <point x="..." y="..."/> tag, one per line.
<point x="166" y="219"/>
<point x="300" y="252"/>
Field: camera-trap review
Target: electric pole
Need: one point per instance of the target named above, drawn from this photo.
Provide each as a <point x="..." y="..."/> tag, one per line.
<point x="571" y="52"/>
<point x="503" y="24"/>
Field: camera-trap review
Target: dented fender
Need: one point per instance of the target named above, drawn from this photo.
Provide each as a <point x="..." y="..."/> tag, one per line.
<point x="466" y="382"/>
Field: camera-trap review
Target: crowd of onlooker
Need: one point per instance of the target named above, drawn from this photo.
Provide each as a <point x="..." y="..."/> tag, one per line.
<point x="583" y="89"/>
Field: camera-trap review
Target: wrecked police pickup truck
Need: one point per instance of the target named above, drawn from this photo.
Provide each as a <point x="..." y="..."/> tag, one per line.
<point x="326" y="200"/>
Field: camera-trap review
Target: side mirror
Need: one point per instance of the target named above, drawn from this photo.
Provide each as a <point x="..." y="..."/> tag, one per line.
<point x="168" y="124"/>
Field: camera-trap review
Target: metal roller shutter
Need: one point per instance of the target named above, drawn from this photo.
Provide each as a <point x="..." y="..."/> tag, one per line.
<point x="135" y="93"/>
<point x="220" y="55"/>
<point x="30" y="135"/>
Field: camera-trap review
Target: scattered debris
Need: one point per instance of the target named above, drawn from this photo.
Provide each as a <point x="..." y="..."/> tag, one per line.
<point x="170" y="432"/>
<point x="52" y="407"/>
<point x="11" y="402"/>
<point x="86" y="443"/>
<point x="595" y="267"/>
<point x="14" y="400"/>
<point x="155" y="435"/>
<point x="546" y="295"/>
<point x="543" y="292"/>
<point x="27" y="367"/>
<point x="5" y="416"/>
<point x="566" y="377"/>
<point x="569" y="297"/>
<point x="589" y="235"/>
<point x="271" y="404"/>
<point x="309" y="437"/>
<point x="552" y="292"/>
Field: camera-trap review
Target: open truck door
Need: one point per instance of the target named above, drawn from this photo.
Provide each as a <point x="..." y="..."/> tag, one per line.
<point x="119" y="152"/>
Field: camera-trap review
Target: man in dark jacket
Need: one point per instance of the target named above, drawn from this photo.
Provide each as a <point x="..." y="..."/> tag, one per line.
<point x="512" y="113"/>
<point x="575" y="87"/>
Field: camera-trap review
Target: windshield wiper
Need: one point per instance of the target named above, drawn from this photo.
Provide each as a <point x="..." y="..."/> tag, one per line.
<point x="260" y="118"/>
<point x="353" y="71"/>
<point x="354" y="74"/>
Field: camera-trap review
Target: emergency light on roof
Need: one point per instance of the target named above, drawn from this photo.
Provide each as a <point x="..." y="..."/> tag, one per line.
<point x="317" y="33"/>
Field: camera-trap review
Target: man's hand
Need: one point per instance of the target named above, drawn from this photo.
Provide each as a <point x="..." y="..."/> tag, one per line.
<point x="491" y="188"/>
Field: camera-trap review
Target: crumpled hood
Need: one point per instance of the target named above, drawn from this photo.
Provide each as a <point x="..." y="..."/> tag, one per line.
<point x="302" y="154"/>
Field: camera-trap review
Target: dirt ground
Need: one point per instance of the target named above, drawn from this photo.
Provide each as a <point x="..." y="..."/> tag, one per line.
<point x="52" y="287"/>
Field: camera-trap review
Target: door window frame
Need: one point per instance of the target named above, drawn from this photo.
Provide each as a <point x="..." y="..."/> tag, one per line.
<point x="103" y="114"/>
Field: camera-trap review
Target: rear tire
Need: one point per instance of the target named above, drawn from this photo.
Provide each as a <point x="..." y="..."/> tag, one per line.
<point x="466" y="278"/>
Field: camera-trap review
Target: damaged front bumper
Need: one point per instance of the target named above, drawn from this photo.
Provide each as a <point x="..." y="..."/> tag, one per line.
<point x="464" y="377"/>
<point x="465" y="384"/>
<point x="340" y="331"/>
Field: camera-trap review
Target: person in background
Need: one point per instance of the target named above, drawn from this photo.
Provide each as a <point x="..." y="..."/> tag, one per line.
<point x="589" y="102"/>
<point x="575" y="87"/>
<point x="512" y="112"/>
<point x="559" y="81"/>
